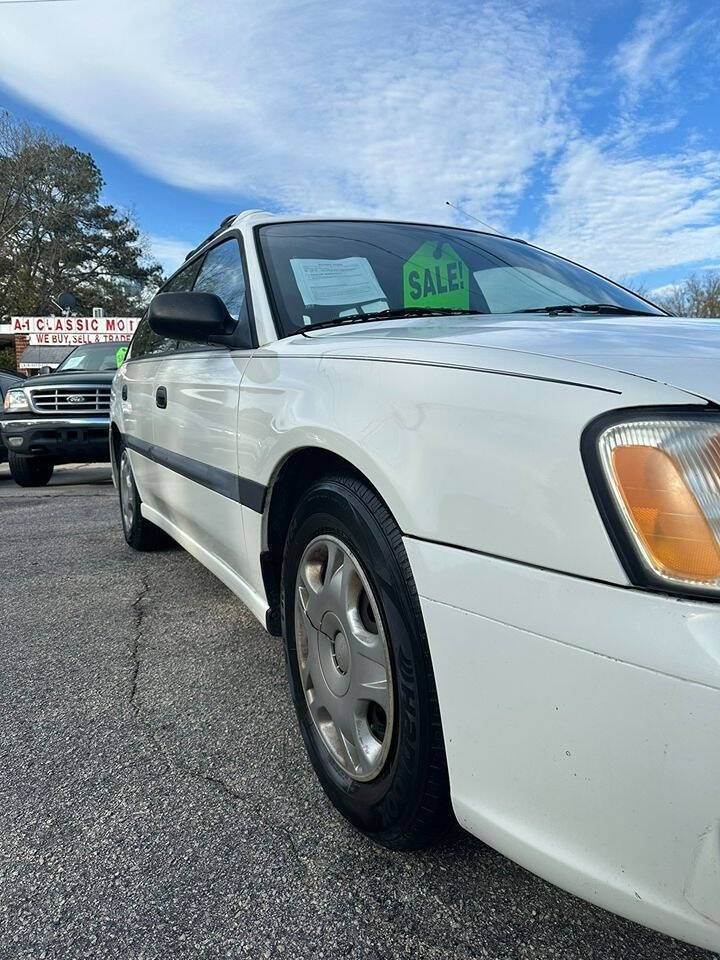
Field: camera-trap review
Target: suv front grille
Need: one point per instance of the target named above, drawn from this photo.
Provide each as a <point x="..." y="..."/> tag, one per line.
<point x="75" y="399"/>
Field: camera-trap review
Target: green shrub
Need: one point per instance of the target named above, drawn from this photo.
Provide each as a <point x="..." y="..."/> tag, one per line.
<point x="7" y="358"/>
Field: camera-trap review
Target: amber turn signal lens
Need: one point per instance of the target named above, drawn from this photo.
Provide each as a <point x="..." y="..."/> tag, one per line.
<point x="664" y="513"/>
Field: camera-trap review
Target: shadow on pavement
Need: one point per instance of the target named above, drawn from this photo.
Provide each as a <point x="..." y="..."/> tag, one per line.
<point x="67" y="475"/>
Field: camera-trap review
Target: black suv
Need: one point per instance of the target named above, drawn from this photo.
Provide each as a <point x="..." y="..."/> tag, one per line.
<point x="62" y="417"/>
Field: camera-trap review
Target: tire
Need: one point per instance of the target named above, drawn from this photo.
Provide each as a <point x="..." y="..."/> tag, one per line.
<point x="381" y="761"/>
<point x="139" y="533"/>
<point x="30" y="471"/>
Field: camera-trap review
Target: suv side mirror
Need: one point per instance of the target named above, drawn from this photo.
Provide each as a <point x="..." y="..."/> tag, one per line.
<point x="202" y="317"/>
<point x="44" y="371"/>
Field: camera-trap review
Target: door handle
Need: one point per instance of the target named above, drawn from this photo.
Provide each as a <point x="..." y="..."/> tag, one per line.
<point x="123" y="392"/>
<point x="161" y="397"/>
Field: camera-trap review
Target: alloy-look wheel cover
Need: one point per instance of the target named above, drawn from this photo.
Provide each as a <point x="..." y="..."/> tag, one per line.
<point x="127" y="491"/>
<point x="343" y="658"/>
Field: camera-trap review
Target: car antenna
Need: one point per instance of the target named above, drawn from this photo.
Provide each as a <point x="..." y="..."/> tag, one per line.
<point x="477" y="219"/>
<point x="466" y="214"/>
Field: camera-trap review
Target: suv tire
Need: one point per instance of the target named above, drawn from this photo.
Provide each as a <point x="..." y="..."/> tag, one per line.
<point x="391" y="780"/>
<point x="30" y="471"/>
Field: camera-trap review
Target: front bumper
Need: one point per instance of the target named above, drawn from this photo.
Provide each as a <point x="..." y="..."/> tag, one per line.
<point x="64" y="439"/>
<point x="581" y="724"/>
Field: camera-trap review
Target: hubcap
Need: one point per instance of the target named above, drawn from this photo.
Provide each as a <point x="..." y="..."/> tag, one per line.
<point x="343" y="658"/>
<point x="341" y="653"/>
<point x="127" y="491"/>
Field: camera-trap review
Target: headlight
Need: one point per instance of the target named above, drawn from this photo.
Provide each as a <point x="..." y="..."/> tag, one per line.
<point x="658" y="489"/>
<point x="15" y="400"/>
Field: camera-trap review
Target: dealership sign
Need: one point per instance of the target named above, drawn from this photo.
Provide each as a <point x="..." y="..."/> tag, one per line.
<point x="96" y="329"/>
<point x="75" y="339"/>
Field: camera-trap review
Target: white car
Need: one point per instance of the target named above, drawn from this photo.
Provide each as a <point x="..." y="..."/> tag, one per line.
<point x="476" y="487"/>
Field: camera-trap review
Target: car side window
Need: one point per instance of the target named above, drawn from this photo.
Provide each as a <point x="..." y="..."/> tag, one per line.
<point x="183" y="279"/>
<point x="146" y="342"/>
<point x="222" y="273"/>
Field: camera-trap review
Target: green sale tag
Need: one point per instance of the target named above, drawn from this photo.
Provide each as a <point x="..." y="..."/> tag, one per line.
<point x="120" y="356"/>
<point x="435" y="276"/>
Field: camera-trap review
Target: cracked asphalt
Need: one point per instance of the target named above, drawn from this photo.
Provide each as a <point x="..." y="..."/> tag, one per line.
<point x="155" y="799"/>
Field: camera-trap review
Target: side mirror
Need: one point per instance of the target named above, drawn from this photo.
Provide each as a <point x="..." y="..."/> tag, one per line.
<point x="191" y="316"/>
<point x="44" y="371"/>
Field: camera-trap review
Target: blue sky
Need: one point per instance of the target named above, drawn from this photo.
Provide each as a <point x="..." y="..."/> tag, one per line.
<point x="592" y="129"/>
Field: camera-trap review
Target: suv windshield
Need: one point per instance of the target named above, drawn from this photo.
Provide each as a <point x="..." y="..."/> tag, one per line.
<point x="322" y="272"/>
<point x="94" y="358"/>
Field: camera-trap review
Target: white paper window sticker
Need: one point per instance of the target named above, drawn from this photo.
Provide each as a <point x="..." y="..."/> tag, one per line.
<point x="366" y="309"/>
<point x="377" y="307"/>
<point x="74" y="362"/>
<point x="326" y="283"/>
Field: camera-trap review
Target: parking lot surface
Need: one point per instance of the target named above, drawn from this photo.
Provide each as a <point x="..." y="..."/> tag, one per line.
<point x="155" y="799"/>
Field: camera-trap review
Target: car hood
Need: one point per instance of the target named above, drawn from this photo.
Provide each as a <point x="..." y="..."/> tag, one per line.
<point x="682" y="352"/>
<point x="104" y="378"/>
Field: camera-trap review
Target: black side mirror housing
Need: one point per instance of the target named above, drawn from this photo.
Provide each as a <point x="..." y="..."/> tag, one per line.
<point x="202" y="317"/>
<point x="44" y="371"/>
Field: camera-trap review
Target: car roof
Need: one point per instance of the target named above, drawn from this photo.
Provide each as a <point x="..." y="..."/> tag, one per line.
<point x="254" y="218"/>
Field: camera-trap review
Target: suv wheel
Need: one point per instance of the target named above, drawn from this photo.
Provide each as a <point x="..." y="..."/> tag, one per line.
<point x="30" y="471"/>
<point x="359" y="666"/>
<point x="140" y="533"/>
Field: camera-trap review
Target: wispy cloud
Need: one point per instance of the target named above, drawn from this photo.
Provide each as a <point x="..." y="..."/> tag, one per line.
<point x="656" y="69"/>
<point x="666" y="290"/>
<point x="371" y="107"/>
<point x="650" y="57"/>
<point x="169" y="252"/>
<point x="394" y="108"/>
<point x="625" y="214"/>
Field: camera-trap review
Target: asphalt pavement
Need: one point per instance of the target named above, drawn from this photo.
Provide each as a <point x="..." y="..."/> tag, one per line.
<point x="155" y="798"/>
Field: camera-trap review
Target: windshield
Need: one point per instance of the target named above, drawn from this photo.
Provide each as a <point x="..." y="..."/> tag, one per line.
<point x="324" y="271"/>
<point x="95" y="358"/>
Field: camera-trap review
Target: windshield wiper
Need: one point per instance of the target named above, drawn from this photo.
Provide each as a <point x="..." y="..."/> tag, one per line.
<point x="589" y="308"/>
<point x="399" y="313"/>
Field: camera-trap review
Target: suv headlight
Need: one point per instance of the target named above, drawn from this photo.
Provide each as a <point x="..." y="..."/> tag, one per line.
<point x="656" y="478"/>
<point x="15" y="400"/>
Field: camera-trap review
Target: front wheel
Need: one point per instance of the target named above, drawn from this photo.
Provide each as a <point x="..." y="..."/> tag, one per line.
<point x="359" y="666"/>
<point x="30" y="471"/>
<point x="140" y="533"/>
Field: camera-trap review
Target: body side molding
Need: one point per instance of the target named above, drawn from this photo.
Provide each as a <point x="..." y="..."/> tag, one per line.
<point x="246" y="492"/>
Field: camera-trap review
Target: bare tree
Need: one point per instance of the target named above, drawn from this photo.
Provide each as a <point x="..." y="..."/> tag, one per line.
<point x="638" y="288"/>
<point x="697" y="296"/>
